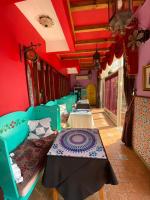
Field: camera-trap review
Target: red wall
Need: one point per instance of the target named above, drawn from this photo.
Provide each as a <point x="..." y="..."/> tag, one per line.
<point x="15" y="30"/>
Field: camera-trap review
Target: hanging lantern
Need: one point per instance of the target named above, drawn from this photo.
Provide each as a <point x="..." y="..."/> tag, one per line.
<point x="96" y="59"/>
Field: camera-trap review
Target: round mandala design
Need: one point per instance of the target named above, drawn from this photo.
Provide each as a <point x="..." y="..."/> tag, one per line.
<point x="77" y="140"/>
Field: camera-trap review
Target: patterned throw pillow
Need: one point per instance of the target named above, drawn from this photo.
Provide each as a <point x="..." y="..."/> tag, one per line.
<point x="39" y="128"/>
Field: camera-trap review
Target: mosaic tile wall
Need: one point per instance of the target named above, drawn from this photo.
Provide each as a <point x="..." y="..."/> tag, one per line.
<point x="141" y="130"/>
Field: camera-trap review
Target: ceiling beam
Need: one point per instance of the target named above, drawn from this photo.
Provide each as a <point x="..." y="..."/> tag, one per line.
<point x="92" y="50"/>
<point x="75" y="57"/>
<point x="71" y="19"/>
<point x="88" y="7"/>
<point x="87" y="2"/>
<point x="85" y="60"/>
<point x="78" y="57"/>
<point x="86" y="66"/>
<point x="90" y="28"/>
<point x="98" y="41"/>
<point x="84" y="51"/>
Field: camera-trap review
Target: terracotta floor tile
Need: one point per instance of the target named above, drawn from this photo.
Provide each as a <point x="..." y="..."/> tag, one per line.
<point x="133" y="176"/>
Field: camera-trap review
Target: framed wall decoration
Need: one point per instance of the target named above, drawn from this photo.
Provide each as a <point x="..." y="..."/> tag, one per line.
<point x="146" y="77"/>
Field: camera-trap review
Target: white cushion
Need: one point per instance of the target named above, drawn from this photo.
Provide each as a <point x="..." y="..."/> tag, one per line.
<point x="39" y="128"/>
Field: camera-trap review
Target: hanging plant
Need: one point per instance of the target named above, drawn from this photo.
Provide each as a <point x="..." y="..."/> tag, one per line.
<point x="135" y="39"/>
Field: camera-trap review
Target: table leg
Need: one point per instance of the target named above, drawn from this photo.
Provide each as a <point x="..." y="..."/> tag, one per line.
<point x="55" y="194"/>
<point x="101" y="194"/>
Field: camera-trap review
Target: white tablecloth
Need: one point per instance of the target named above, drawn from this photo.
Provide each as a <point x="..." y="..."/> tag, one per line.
<point x="84" y="101"/>
<point x="81" y="119"/>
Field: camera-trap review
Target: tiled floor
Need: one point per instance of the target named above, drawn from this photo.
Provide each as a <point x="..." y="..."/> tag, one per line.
<point x="133" y="176"/>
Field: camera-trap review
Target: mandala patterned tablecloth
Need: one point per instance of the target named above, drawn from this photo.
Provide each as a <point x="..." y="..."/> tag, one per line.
<point x="78" y="143"/>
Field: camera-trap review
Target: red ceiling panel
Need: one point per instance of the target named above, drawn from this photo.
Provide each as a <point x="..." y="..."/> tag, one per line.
<point x="93" y="46"/>
<point x="93" y="35"/>
<point x="61" y="10"/>
<point x="80" y="54"/>
<point x="76" y="55"/>
<point x="7" y="2"/>
<point x="90" y="17"/>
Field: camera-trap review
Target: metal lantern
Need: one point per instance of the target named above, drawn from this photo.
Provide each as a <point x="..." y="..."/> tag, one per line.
<point x="96" y="59"/>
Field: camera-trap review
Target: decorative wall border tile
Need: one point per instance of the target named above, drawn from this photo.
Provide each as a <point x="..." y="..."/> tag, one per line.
<point x="141" y="129"/>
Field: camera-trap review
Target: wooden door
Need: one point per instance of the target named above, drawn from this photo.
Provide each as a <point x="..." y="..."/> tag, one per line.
<point x="91" y="93"/>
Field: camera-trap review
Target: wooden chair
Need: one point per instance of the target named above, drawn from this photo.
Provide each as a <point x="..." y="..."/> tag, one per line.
<point x="55" y="194"/>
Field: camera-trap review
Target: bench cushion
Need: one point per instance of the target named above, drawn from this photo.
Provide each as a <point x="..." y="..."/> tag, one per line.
<point x="30" y="157"/>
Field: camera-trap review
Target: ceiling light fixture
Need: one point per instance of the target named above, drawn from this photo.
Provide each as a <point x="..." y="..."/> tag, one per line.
<point x="46" y="21"/>
<point x="121" y="19"/>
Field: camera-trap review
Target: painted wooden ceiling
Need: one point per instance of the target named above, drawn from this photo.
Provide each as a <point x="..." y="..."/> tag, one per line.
<point x="85" y="25"/>
<point x="90" y="27"/>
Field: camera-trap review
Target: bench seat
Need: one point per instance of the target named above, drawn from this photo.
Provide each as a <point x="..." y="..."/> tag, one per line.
<point x="30" y="156"/>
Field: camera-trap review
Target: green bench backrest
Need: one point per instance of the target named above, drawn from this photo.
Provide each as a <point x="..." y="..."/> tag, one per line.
<point x="13" y="131"/>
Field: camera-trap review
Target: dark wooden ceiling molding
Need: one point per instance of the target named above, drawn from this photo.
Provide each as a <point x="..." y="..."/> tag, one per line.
<point x="87" y="60"/>
<point x="87" y="2"/>
<point x="90" y="28"/>
<point x="87" y="67"/>
<point x="78" y="57"/>
<point x="101" y="56"/>
<point x="87" y="63"/>
<point x="75" y="57"/>
<point x="98" y="41"/>
<point x="85" y="51"/>
<point x="89" y="7"/>
<point x="71" y="19"/>
<point x="92" y="50"/>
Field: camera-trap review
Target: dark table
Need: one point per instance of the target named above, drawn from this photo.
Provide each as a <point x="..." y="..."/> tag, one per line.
<point x="82" y="106"/>
<point x="76" y="177"/>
